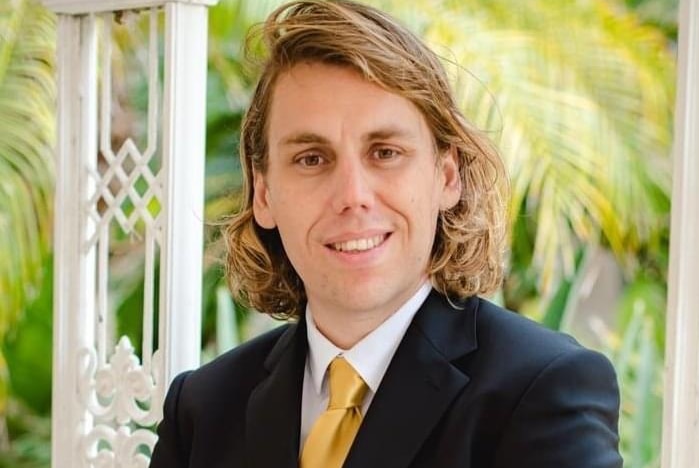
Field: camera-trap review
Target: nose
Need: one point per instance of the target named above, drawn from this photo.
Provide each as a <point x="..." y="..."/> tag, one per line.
<point x="352" y="187"/>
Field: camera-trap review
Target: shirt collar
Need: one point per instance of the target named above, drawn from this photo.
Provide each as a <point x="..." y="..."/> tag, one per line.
<point x="371" y="355"/>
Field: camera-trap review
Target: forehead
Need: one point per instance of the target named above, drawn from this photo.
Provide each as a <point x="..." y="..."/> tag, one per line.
<point x="335" y="102"/>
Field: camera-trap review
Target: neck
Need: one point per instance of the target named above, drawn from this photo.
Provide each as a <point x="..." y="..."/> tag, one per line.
<point x="346" y="330"/>
<point x="346" y="327"/>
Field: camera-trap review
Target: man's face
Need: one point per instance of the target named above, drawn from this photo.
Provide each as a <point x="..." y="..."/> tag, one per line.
<point x="354" y="186"/>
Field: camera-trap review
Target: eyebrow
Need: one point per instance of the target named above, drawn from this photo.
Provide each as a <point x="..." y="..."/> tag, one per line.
<point x="304" y="138"/>
<point x="389" y="132"/>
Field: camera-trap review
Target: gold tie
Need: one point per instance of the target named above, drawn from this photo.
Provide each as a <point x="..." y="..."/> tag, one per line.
<point x="330" y="439"/>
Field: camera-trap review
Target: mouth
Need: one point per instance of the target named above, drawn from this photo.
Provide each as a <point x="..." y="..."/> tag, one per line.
<point x="359" y="245"/>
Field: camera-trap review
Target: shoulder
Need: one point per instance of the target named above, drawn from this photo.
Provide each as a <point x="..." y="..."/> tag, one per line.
<point x="204" y="410"/>
<point x="563" y="399"/>
<point x="556" y="402"/>
<point x="477" y="335"/>
<point x="235" y="372"/>
<point x="514" y="348"/>
<point x="501" y="330"/>
<point x="251" y="352"/>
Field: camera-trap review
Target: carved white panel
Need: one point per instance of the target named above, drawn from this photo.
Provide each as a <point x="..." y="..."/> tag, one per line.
<point x="121" y="191"/>
<point x="124" y="400"/>
<point x="118" y="390"/>
<point x="100" y="6"/>
<point x="145" y="190"/>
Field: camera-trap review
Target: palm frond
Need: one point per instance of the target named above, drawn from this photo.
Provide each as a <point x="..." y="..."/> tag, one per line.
<point x="580" y="98"/>
<point x="27" y="94"/>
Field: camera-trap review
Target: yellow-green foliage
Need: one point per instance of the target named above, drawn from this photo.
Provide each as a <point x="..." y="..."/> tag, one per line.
<point x="27" y="118"/>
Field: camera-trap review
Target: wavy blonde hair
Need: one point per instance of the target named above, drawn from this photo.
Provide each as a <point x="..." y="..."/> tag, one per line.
<point x="467" y="256"/>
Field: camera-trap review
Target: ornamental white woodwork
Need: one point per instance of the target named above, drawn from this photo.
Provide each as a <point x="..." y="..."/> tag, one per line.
<point x="107" y="398"/>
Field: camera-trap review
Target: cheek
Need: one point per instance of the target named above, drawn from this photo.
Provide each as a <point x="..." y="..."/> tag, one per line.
<point x="294" y="217"/>
<point x="290" y="224"/>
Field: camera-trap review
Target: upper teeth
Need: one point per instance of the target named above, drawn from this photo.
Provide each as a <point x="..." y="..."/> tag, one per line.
<point x="358" y="244"/>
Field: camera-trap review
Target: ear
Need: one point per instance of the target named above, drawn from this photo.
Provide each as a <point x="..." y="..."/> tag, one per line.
<point x="261" y="207"/>
<point x="451" y="191"/>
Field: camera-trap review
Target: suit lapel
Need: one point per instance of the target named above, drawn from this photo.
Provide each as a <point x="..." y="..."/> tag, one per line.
<point x="418" y="387"/>
<point x="273" y="417"/>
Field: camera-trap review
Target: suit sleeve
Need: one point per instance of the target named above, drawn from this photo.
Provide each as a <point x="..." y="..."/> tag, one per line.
<point x="567" y="418"/>
<point x="171" y="450"/>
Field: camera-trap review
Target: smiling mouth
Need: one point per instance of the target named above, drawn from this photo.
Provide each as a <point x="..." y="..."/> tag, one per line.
<point x="359" y="245"/>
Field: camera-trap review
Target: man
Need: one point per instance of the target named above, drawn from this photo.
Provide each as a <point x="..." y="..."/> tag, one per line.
<point x="373" y="216"/>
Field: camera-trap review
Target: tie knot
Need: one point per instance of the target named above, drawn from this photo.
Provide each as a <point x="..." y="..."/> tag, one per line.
<point x="347" y="389"/>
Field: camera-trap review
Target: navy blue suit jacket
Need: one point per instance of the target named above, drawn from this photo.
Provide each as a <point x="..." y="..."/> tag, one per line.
<point x="469" y="387"/>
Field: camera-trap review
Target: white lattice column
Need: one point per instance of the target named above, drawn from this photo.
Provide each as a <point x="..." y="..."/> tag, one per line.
<point x="73" y="322"/>
<point x="183" y="138"/>
<point x="106" y="398"/>
<point x="681" y="406"/>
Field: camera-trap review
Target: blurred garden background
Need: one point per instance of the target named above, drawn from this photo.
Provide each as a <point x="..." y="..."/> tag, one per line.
<point x="578" y="95"/>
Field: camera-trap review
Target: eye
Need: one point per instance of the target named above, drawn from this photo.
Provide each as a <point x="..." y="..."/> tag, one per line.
<point x="310" y="160"/>
<point x="385" y="154"/>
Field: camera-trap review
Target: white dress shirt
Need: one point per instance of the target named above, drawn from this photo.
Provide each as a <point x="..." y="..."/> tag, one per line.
<point x="370" y="357"/>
